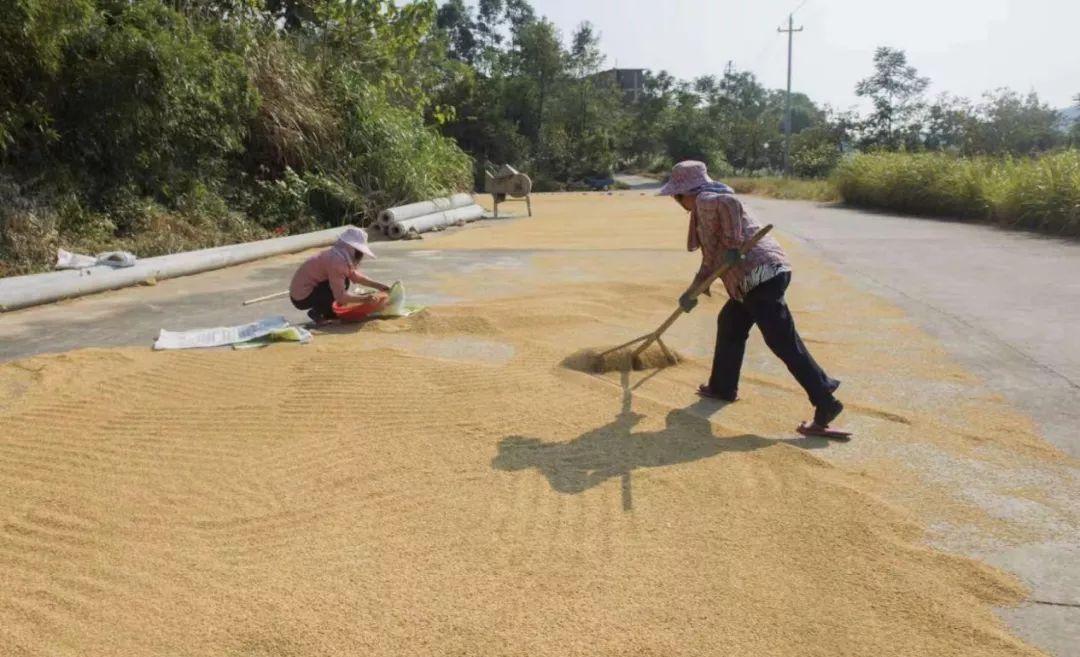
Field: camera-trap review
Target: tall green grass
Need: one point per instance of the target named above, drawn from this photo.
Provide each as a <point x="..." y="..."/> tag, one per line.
<point x="1040" y="194"/>
<point x="789" y="189"/>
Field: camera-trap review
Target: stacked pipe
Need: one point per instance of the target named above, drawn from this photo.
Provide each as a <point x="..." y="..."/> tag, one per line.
<point x="429" y="215"/>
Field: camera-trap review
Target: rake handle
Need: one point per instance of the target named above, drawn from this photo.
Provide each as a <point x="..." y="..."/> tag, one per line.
<point x="276" y="295"/>
<point x="700" y="288"/>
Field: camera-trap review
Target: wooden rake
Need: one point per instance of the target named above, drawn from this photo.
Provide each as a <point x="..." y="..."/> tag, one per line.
<point x="649" y="338"/>
<point x="275" y="295"/>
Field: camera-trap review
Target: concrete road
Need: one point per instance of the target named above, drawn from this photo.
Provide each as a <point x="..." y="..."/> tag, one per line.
<point x="638" y="182"/>
<point x="133" y="316"/>
<point x="1007" y="305"/>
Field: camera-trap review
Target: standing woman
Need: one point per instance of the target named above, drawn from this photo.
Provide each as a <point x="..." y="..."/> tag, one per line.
<point x="719" y="225"/>
<point x="324" y="278"/>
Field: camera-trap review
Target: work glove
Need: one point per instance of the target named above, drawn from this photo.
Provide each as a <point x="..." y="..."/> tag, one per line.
<point x="732" y="257"/>
<point x="687" y="302"/>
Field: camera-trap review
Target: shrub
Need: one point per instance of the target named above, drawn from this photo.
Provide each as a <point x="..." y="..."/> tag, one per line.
<point x="283" y="203"/>
<point x="159" y="126"/>
<point x="814" y="160"/>
<point x="543" y="183"/>
<point x="33" y="38"/>
<point x="149" y="104"/>
<point x="389" y="155"/>
<point x="28" y="232"/>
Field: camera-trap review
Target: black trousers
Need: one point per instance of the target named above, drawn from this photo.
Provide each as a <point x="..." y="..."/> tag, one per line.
<point x="765" y="306"/>
<point x="320" y="302"/>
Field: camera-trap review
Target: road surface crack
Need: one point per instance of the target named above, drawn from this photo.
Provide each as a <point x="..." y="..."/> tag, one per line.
<point x="1072" y="605"/>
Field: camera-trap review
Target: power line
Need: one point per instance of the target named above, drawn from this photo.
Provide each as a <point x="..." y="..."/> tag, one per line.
<point x="771" y="43"/>
<point x="796" y="10"/>
<point x="766" y="49"/>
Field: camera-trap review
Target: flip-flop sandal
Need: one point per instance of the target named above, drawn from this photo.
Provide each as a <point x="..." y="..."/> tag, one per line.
<point x="706" y="392"/>
<point x="812" y="430"/>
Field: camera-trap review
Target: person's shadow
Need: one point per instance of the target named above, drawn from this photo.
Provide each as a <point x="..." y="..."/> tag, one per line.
<point x="615" y="450"/>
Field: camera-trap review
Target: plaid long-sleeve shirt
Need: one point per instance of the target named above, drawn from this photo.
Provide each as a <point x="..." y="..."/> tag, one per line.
<point x="720" y="223"/>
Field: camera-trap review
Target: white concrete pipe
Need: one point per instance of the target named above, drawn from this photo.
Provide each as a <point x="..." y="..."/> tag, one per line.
<point x="428" y="222"/>
<point x="401" y="213"/>
<point x="34" y="289"/>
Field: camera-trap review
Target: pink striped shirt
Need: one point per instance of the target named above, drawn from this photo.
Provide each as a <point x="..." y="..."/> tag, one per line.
<point x="720" y="223"/>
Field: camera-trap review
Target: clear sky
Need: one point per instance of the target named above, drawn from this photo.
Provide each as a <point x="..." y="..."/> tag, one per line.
<point x="964" y="46"/>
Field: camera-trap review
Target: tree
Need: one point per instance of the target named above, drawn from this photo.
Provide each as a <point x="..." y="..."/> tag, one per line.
<point x="220" y="10"/>
<point x="690" y="133"/>
<point x="584" y="61"/>
<point x="804" y="112"/>
<point x="600" y="107"/>
<point x="643" y="139"/>
<point x="950" y="124"/>
<point x="738" y="114"/>
<point x="817" y="150"/>
<point x="520" y="14"/>
<point x="386" y="45"/>
<point x="33" y="37"/>
<point x="294" y="14"/>
<point x="814" y="153"/>
<point x="585" y="56"/>
<point x="1074" y="133"/>
<point x="539" y="59"/>
<point x="490" y="16"/>
<point x="896" y="90"/>
<point x="456" y="20"/>
<point x="1013" y="124"/>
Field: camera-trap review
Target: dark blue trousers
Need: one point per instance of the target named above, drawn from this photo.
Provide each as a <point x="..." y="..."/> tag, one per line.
<point x="765" y="306"/>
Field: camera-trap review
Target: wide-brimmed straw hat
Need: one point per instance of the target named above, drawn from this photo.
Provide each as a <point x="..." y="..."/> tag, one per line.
<point x="686" y="177"/>
<point x="357" y="239"/>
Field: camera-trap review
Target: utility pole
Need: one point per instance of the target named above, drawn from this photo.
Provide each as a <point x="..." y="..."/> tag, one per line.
<point x="787" y="103"/>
